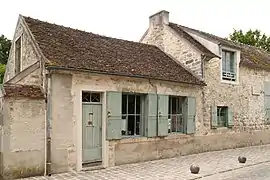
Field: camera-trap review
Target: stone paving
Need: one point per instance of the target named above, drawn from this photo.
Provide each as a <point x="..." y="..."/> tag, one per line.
<point x="254" y="172"/>
<point x="211" y="164"/>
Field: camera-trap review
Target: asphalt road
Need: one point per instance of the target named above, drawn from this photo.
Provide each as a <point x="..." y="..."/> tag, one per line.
<point x="255" y="172"/>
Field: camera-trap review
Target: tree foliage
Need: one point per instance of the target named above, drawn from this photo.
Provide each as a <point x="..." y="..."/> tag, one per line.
<point x="2" y="72"/>
<point x="252" y="37"/>
<point x="5" y="45"/>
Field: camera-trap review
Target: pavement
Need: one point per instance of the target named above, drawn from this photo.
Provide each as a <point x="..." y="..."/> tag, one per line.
<point x="254" y="172"/>
<point x="216" y="165"/>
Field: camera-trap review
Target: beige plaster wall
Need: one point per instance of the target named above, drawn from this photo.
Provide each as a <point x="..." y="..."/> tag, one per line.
<point x="23" y="137"/>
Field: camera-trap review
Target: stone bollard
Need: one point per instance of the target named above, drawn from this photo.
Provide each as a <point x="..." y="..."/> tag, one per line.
<point x="194" y="169"/>
<point x="242" y="159"/>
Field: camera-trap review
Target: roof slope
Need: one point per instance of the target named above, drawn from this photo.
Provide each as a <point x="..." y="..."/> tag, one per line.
<point x="17" y="90"/>
<point x="72" y="48"/>
<point x="250" y="55"/>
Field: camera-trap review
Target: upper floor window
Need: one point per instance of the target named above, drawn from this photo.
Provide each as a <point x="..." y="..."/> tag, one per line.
<point x="18" y="48"/>
<point x="228" y="65"/>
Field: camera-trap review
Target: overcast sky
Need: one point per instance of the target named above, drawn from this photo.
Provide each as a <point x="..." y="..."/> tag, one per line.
<point x="128" y="19"/>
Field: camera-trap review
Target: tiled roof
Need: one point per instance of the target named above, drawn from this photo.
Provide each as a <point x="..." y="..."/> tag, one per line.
<point x="71" y="48"/>
<point x="250" y="56"/>
<point x="16" y="90"/>
<point x="193" y="41"/>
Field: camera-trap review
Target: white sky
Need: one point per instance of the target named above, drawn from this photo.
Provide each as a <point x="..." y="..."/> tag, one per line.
<point x="128" y="19"/>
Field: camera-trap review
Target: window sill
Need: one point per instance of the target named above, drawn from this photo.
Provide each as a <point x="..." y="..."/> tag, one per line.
<point x="133" y="136"/>
<point x="230" y="82"/>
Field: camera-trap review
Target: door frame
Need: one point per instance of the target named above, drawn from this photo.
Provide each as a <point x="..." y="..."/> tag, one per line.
<point x="79" y="139"/>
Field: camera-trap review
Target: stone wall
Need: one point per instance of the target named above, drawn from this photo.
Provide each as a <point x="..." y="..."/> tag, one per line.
<point x="145" y="149"/>
<point x="246" y="98"/>
<point x="176" y="46"/>
<point x="29" y="55"/>
<point x="23" y="138"/>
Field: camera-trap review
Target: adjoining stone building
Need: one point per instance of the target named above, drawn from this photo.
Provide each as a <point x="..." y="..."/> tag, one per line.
<point x="95" y="101"/>
<point x="236" y="104"/>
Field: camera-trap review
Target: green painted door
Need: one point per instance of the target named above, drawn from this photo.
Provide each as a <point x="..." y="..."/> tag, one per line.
<point x="92" y="132"/>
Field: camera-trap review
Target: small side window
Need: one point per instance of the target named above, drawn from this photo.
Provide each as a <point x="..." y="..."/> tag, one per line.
<point x="222" y="116"/>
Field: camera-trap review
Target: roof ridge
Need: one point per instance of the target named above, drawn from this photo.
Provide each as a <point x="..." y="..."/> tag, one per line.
<point x="103" y="36"/>
<point x="225" y="39"/>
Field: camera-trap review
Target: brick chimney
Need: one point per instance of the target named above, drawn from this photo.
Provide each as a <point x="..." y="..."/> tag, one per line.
<point x="159" y="18"/>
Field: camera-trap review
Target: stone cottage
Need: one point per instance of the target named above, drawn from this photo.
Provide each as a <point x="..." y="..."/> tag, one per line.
<point x="236" y="104"/>
<point x="73" y="100"/>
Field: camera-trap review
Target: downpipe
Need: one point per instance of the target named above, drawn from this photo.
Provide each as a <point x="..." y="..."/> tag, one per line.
<point x="48" y="124"/>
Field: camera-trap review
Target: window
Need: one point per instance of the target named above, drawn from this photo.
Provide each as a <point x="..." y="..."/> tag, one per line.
<point x="175" y="118"/>
<point x="228" y="65"/>
<point x="132" y="114"/>
<point x="222" y="116"/>
<point x="18" y="46"/>
<point x="91" y="97"/>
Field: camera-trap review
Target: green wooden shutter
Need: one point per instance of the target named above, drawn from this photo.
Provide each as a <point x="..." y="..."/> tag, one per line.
<point x="214" y="120"/>
<point x="163" y="106"/>
<point x="191" y="113"/>
<point x="151" y="125"/>
<point x="230" y="118"/>
<point x="114" y="115"/>
<point x="267" y="101"/>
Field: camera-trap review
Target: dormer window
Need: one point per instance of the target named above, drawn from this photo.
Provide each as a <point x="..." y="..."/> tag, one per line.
<point x="18" y="49"/>
<point x="229" y="62"/>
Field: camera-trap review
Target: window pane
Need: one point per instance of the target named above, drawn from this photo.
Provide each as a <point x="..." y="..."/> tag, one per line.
<point x="174" y="123"/>
<point x="232" y="62"/>
<point x="123" y="126"/>
<point x="138" y="125"/>
<point x="131" y="104"/>
<point x="222" y="116"/>
<point x="86" y="97"/>
<point x="138" y="105"/>
<point x="173" y="105"/>
<point x="170" y="105"/>
<point x="131" y="125"/>
<point x="124" y="104"/>
<point x="95" y="97"/>
<point x="228" y="61"/>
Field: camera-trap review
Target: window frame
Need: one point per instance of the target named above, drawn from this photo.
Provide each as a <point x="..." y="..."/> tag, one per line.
<point x="18" y="62"/>
<point x="141" y="115"/>
<point x="226" y="109"/>
<point x="179" y="105"/>
<point x="236" y="65"/>
<point x="231" y="60"/>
